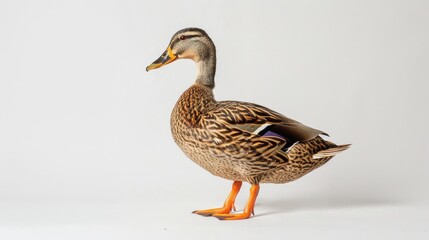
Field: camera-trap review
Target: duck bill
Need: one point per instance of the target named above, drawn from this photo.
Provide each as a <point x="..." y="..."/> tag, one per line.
<point x="167" y="57"/>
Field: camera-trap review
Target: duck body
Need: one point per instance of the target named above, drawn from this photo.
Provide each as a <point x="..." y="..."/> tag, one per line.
<point x="238" y="141"/>
<point x="221" y="138"/>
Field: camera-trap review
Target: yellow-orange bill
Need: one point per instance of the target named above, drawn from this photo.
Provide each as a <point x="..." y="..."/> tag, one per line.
<point x="167" y="57"/>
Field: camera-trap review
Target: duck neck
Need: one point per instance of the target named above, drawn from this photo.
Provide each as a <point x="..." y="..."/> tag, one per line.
<point x="206" y="69"/>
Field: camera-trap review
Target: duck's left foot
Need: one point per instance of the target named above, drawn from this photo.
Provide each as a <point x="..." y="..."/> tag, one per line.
<point x="213" y="211"/>
<point x="227" y="206"/>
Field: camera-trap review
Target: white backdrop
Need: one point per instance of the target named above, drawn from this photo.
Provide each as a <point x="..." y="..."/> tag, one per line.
<point x="85" y="145"/>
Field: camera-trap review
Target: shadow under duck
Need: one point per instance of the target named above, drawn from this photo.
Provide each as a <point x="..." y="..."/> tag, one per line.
<point x="238" y="141"/>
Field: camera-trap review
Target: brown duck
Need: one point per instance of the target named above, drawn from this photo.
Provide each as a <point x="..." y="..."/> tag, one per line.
<point x="238" y="141"/>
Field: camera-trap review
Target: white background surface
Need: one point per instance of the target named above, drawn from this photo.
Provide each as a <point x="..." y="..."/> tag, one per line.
<point x="85" y="146"/>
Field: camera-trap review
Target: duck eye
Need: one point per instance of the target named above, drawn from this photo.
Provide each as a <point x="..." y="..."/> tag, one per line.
<point x="183" y="37"/>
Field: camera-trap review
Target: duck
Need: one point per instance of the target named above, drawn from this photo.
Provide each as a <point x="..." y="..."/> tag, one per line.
<point x="234" y="140"/>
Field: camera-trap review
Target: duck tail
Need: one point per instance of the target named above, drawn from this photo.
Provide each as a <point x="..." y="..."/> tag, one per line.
<point x="331" y="151"/>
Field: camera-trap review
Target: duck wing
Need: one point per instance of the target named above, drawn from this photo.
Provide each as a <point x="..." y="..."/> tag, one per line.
<point x="261" y="121"/>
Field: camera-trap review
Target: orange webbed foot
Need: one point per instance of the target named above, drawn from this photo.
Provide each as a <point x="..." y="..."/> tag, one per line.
<point x="213" y="211"/>
<point x="227" y="206"/>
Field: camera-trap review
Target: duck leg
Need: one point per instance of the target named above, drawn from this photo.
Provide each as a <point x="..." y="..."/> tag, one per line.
<point x="227" y="206"/>
<point x="248" y="209"/>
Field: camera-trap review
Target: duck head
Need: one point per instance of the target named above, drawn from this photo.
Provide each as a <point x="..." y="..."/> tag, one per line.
<point x="188" y="43"/>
